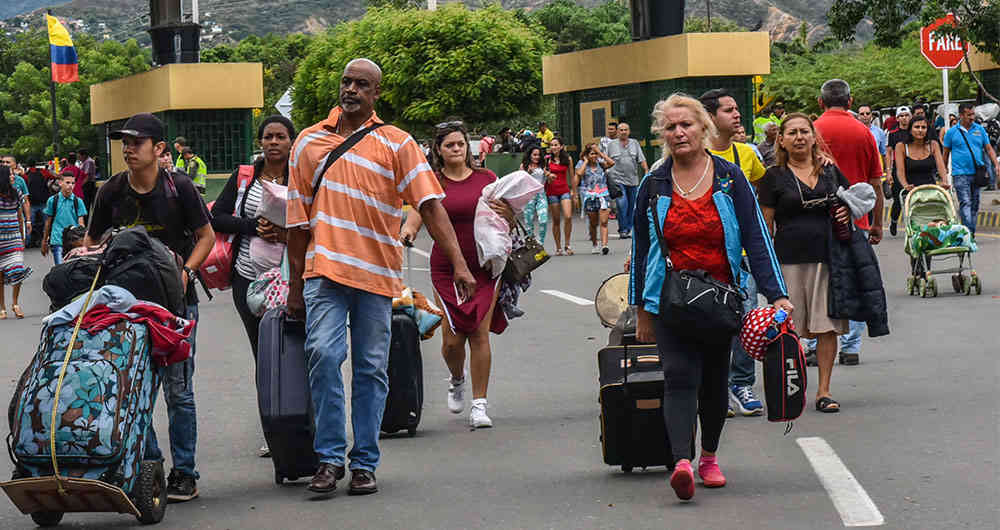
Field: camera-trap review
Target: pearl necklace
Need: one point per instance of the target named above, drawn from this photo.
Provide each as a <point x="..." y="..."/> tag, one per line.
<point x="702" y="179"/>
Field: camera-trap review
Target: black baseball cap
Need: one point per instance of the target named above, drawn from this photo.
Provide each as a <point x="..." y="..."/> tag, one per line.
<point x="143" y="125"/>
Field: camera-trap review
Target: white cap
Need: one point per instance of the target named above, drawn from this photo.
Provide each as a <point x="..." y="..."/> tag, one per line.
<point x="902" y="110"/>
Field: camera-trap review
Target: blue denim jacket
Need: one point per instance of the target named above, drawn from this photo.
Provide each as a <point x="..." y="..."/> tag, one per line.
<point x="742" y="224"/>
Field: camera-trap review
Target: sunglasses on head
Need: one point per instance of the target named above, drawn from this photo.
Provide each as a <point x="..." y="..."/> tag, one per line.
<point x="449" y="124"/>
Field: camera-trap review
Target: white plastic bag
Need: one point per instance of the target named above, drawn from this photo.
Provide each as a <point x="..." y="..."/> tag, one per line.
<point x="987" y="111"/>
<point x="273" y="201"/>
<point x="492" y="231"/>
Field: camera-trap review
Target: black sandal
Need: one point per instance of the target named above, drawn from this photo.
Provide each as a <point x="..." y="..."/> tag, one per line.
<point x="827" y="405"/>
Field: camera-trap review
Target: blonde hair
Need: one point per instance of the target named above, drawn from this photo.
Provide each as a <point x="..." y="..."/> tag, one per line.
<point x="682" y="100"/>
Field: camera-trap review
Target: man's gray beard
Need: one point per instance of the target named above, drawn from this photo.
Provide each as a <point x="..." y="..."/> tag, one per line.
<point x="350" y="107"/>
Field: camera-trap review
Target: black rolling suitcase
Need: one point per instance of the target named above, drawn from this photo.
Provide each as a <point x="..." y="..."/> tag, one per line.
<point x="633" y="432"/>
<point x="405" y="401"/>
<point x="283" y="396"/>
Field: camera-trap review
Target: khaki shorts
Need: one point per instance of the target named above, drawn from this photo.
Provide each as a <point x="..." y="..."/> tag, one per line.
<point x="808" y="285"/>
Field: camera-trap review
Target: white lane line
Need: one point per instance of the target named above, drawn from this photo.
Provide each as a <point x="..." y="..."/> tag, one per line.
<point x="849" y="497"/>
<point x="568" y="297"/>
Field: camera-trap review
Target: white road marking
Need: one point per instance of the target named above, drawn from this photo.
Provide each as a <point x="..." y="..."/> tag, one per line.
<point x="568" y="297"/>
<point x="849" y="497"/>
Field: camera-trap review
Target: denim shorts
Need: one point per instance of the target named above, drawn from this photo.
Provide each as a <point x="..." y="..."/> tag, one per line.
<point x="596" y="204"/>
<point x="556" y="199"/>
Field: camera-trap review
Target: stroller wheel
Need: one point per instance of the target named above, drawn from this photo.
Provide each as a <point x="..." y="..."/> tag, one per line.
<point x="932" y="288"/>
<point x="977" y="285"/>
<point x="922" y="287"/>
<point x="966" y="285"/>
<point x="956" y="282"/>
<point x="911" y="285"/>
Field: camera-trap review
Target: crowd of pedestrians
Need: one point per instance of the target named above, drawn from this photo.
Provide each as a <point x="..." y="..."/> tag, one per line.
<point x="757" y="216"/>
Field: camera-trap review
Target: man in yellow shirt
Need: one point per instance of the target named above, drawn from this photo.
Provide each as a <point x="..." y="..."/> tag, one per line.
<point x="725" y="112"/>
<point x="545" y="134"/>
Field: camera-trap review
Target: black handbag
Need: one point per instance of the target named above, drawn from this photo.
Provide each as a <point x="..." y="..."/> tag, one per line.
<point x="614" y="189"/>
<point x="692" y="303"/>
<point x="525" y="258"/>
<point x="981" y="179"/>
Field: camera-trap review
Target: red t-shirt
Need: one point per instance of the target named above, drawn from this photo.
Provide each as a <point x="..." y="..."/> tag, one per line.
<point x="693" y="232"/>
<point x="853" y="148"/>
<point x="559" y="185"/>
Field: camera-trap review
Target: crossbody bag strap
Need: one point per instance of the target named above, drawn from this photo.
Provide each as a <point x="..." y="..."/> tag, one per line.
<point x="975" y="163"/>
<point x="736" y="157"/>
<point x="339" y="152"/>
<point x="659" y="233"/>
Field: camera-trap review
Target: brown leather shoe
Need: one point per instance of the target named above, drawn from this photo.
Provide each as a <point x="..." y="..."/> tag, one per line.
<point x="362" y="482"/>
<point x="325" y="479"/>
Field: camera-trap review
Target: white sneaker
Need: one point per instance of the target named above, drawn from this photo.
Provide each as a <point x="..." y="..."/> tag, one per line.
<point x="477" y="417"/>
<point x="456" y="396"/>
<point x="596" y="249"/>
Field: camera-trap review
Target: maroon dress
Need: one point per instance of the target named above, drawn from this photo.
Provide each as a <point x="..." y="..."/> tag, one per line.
<point x="460" y="203"/>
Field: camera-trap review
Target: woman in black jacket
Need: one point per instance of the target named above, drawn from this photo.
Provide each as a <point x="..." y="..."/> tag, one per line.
<point x="235" y="212"/>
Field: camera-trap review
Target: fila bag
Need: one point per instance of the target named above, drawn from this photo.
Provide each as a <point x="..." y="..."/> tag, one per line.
<point x="785" y="375"/>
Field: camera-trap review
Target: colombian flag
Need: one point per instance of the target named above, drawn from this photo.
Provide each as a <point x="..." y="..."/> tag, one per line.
<point x="65" y="68"/>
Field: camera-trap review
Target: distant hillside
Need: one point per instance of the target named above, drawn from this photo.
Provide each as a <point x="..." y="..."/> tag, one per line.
<point x="229" y="20"/>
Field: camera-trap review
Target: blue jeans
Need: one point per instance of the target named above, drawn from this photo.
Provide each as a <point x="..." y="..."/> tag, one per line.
<point x="57" y="255"/>
<point x="968" y="200"/>
<point x="741" y="366"/>
<point x="626" y="208"/>
<point x="178" y="390"/>
<point x="328" y="306"/>
<point x="850" y="342"/>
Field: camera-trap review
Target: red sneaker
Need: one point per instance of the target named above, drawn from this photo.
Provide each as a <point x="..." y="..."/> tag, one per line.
<point x="682" y="480"/>
<point x="710" y="473"/>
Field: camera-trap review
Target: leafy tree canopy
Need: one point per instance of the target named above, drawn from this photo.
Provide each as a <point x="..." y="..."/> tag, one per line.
<point x="573" y="27"/>
<point x="796" y="77"/>
<point x="482" y="65"/>
<point x="26" y="119"/>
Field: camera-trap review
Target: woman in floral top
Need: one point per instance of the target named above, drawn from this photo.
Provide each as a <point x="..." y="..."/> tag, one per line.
<point x="594" y="193"/>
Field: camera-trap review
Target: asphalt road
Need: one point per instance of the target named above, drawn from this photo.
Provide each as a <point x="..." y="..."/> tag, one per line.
<point x="918" y="429"/>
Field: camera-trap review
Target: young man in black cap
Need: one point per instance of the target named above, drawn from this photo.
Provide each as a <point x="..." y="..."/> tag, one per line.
<point x="171" y="210"/>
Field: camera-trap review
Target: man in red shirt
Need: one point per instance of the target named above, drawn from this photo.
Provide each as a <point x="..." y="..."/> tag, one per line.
<point x="855" y="153"/>
<point x="853" y="148"/>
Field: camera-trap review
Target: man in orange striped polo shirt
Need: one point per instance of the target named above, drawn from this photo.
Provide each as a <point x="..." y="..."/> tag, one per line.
<point x="345" y="260"/>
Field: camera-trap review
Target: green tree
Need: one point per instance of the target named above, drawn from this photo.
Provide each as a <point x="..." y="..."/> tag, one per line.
<point x="572" y="27"/>
<point x="696" y="24"/>
<point x="481" y="65"/>
<point x="887" y="16"/>
<point x="26" y="120"/>
<point x="398" y="4"/>
<point x="878" y="76"/>
<point x="280" y="56"/>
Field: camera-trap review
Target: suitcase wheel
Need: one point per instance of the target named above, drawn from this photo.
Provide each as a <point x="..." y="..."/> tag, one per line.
<point x="47" y="518"/>
<point x="278" y="479"/>
<point x="412" y="431"/>
<point x="627" y="469"/>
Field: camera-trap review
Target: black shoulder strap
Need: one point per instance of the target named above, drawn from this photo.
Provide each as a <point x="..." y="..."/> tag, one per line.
<point x="340" y="150"/>
<point x="967" y="144"/>
<point x="658" y="227"/>
<point x="736" y="156"/>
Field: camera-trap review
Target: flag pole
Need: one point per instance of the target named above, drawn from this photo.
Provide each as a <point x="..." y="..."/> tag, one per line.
<point x="52" y="95"/>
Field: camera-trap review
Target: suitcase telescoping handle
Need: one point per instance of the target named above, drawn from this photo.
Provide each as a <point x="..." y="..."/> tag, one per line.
<point x="408" y="245"/>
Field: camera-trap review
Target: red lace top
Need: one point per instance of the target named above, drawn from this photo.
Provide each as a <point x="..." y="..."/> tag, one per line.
<point x="693" y="232"/>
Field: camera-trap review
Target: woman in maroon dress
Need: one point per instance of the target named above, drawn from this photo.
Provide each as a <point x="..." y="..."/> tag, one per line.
<point x="469" y="320"/>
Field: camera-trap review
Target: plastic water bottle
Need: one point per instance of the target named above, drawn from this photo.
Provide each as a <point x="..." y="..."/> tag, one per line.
<point x="779" y="318"/>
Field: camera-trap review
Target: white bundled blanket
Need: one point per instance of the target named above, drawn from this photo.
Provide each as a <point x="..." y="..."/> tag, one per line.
<point x="492" y="232"/>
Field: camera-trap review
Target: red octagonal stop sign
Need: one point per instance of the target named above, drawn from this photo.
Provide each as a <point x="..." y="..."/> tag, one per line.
<point x="943" y="51"/>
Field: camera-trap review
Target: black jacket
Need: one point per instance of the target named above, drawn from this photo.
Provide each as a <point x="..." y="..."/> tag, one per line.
<point x="856" y="291"/>
<point x="225" y="221"/>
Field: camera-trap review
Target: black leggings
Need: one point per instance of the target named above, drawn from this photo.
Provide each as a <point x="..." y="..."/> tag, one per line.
<point x="897" y="203"/>
<point x="695" y="380"/>
<point x="250" y="321"/>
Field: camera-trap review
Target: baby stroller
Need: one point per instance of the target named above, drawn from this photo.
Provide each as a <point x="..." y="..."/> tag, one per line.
<point x="934" y="230"/>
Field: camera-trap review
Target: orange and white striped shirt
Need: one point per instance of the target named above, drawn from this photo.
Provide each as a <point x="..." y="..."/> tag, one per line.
<point x="357" y="210"/>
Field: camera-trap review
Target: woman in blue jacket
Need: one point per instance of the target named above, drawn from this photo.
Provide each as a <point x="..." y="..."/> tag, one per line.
<point x="710" y="215"/>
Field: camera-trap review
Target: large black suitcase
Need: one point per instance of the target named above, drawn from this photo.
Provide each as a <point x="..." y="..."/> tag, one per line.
<point x="283" y="396"/>
<point x="633" y="431"/>
<point x="405" y="401"/>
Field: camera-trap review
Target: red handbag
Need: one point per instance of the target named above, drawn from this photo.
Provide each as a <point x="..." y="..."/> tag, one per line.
<point x="216" y="271"/>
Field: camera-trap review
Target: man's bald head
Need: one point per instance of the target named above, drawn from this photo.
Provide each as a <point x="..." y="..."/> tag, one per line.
<point x="367" y="64"/>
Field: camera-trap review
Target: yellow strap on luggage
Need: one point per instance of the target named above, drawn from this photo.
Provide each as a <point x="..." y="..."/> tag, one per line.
<point x="62" y="374"/>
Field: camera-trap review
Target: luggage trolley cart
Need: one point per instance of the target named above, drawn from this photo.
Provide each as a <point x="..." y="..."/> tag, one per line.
<point x="58" y="474"/>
